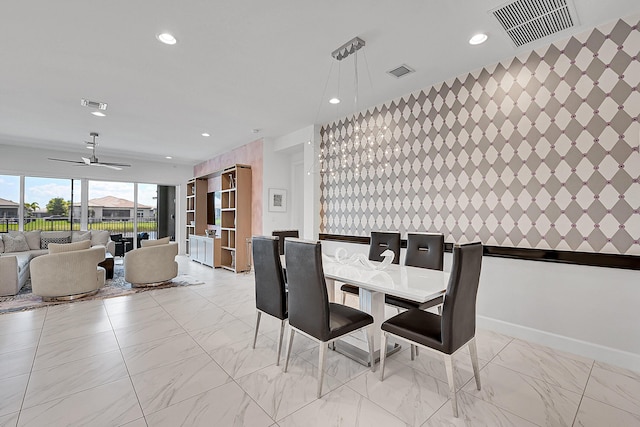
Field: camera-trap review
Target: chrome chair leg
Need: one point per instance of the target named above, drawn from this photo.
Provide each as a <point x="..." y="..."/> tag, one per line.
<point x="383" y="354"/>
<point x="372" y="357"/>
<point x="286" y="363"/>
<point x="417" y="351"/>
<point x="344" y="297"/>
<point x="255" y="336"/>
<point x="322" y="357"/>
<point x="473" y="351"/>
<point x="413" y="352"/>
<point x="448" y="363"/>
<point x="279" y="341"/>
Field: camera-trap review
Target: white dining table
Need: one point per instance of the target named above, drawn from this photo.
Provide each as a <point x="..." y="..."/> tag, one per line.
<point x="417" y="284"/>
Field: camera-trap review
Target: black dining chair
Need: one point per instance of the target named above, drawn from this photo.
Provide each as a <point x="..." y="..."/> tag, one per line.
<point x="424" y="250"/>
<point x="271" y="295"/>
<point x="456" y="326"/>
<point x="380" y="241"/>
<point x="310" y="312"/>
<point x="282" y="234"/>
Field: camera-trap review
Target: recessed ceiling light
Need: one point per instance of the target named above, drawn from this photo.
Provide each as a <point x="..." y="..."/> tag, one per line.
<point x="167" y="38"/>
<point x="334" y="101"/>
<point x="168" y="157"/>
<point x="205" y="134"/>
<point x="478" y="39"/>
<point x="98" y="114"/>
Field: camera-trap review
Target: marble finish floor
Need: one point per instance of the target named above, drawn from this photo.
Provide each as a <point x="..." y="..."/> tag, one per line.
<point x="183" y="357"/>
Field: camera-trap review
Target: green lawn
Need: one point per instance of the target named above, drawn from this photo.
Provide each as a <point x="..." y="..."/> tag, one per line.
<point x="62" y="225"/>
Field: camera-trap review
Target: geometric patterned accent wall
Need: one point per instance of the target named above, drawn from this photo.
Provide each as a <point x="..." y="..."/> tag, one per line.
<point x="541" y="151"/>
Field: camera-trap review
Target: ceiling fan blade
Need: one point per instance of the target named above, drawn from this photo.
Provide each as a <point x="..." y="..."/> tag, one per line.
<point x="68" y="161"/>
<point x="106" y="165"/>
<point x="122" y="165"/>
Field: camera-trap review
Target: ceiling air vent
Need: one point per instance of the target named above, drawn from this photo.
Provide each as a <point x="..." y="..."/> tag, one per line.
<point x="400" y="71"/>
<point x="529" y="20"/>
<point x="93" y="104"/>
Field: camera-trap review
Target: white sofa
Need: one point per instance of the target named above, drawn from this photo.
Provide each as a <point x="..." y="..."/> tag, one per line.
<point x="14" y="264"/>
<point x="152" y="264"/>
<point x="69" y="271"/>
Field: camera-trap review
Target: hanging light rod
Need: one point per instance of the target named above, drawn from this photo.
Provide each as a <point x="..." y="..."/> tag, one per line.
<point x="352" y="46"/>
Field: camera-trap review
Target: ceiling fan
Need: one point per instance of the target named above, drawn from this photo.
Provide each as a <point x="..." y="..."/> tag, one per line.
<point x="93" y="160"/>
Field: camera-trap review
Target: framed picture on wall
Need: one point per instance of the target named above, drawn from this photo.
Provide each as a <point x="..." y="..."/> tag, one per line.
<point x="277" y="200"/>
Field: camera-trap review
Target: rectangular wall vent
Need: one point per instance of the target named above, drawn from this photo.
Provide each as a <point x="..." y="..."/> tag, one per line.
<point x="529" y="20"/>
<point x="93" y="104"/>
<point x="400" y="71"/>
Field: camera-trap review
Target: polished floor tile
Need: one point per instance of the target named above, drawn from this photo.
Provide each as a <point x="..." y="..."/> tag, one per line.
<point x="184" y="356"/>
<point x="57" y="353"/>
<point x="341" y="407"/>
<point x="532" y="399"/>
<point x="474" y="412"/>
<point x="114" y="403"/>
<point x="227" y="405"/>
<point x="615" y="389"/>
<point x="596" y="414"/>
<point x="149" y="355"/>
<point x="282" y="393"/>
<point x="172" y="383"/>
<point x="10" y="420"/>
<point x="239" y="359"/>
<point x="19" y="340"/>
<point x="69" y="378"/>
<point x="11" y="393"/>
<point x="546" y="364"/>
<point x="17" y="362"/>
<point x="432" y="364"/>
<point x="407" y="393"/>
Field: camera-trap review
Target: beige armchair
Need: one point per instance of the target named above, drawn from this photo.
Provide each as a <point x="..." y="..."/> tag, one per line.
<point x="68" y="274"/>
<point x="151" y="265"/>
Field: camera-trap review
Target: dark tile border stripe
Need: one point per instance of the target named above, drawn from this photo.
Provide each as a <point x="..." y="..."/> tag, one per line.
<point x="629" y="262"/>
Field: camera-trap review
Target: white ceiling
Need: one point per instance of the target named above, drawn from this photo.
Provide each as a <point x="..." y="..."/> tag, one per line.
<point x="238" y="65"/>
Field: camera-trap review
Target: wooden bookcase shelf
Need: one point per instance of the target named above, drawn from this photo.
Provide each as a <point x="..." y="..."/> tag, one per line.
<point x="236" y="218"/>
<point x="196" y="208"/>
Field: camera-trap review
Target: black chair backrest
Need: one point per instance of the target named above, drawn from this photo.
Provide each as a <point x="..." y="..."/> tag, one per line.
<point x="282" y="234"/>
<point x="308" y="299"/>
<point x="270" y="287"/>
<point x="381" y="241"/>
<point x="425" y="251"/>
<point x="116" y="237"/>
<point x="459" y="308"/>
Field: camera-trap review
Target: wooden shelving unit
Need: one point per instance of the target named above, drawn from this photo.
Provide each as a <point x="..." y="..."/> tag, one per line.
<point x="236" y="218"/>
<point x="196" y="207"/>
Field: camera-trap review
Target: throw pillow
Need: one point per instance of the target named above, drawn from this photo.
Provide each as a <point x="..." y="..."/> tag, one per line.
<point x="79" y="236"/>
<point x="55" y="248"/>
<point x="44" y="241"/>
<point x="33" y="239"/>
<point x="99" y="237"/>
<point x="147" y="243"/>
<point x="15" y="243"/>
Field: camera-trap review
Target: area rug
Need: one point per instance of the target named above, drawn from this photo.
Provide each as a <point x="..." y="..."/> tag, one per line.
<point x="115" y="287"/>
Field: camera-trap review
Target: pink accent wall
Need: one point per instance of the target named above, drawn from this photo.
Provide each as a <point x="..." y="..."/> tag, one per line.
<point x="249" y="154"/>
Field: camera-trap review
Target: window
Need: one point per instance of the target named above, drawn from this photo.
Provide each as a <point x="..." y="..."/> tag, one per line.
<point x="9" y="202"/>
<point x="48" y="204"/>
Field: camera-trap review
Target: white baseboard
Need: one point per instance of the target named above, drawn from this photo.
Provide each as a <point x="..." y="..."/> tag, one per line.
<point x="599" y="352"/>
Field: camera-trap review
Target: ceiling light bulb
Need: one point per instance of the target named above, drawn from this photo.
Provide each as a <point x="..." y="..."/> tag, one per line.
<point x="478" y="39"/>
<point x="205" y="134"/>
<point x="167" y="38"/>
<point x="98" y="114"/>
<point x="168" y="157"/>
<point x="334" y="101"/>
